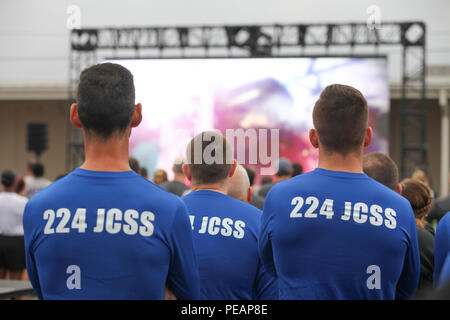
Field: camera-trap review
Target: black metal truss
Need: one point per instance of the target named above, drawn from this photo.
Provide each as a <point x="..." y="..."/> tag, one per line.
<point x="331" y="39"/>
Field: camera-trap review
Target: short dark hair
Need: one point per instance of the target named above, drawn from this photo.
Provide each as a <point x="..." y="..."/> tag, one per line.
<point x="251" y="174"/>
<point x="284" y="168"/>
<point x="105" y="98"/>
<point x="340" y="117"/>
<point x="203" y="170"/>
<point x="381" y="167"/>
<point x="8" y="178"/>
<point x="134" y="164"/>
<point x="38" y="169"/>
<point x="297" y="169"/>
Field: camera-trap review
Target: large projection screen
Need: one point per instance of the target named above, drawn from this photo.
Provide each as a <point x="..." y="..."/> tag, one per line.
<point x="182" y="97"/>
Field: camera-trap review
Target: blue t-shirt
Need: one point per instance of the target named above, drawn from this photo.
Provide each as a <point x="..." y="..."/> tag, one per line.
<point x="109" y="235"/>
<point x="225" y="234"/>
<point x="441" y="245"/>
<point x="339" y="235"/>
<point x="444" y="276"/>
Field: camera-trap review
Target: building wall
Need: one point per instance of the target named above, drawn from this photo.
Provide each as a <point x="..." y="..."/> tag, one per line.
<point x="433" y="138"/>
<point x="14" y="117"/>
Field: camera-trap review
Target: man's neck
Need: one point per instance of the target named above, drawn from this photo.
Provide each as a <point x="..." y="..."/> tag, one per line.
<point x="221" y="188"/>
<point x="337" y="162"/>
<point x="110" y="155"/>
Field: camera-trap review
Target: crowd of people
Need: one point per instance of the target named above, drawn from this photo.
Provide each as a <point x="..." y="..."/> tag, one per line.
<point x="17" y="190"/>
<point x="350" y="229"/>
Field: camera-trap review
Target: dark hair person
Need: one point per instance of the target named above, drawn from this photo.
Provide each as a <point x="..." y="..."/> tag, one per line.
<point x="335" y="233"/>
<point x="176" y="186"/>
<point x="115" y="234"/>
<point x="419" y="195"/>
<point x="12" y="247"/>
<point x="382" y="168"/>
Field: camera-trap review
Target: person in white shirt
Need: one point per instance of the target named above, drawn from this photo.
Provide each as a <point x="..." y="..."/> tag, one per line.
<point x="12" y="246"/>
<point x="37" y="182"/>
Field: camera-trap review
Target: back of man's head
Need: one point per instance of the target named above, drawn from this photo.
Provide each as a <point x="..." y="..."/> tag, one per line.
<point x="381" y="168"/>
<point x="239" y="184"/>
<point x="340" y="118"/>
<point x="106" y="99"/>
<point x="209" y="157"/>
<point x="38" y="170"/>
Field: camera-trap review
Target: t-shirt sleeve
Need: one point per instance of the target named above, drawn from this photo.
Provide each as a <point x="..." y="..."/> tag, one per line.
<point x="265" y="237"/>
<point x="441" y="246"/>
<point x="409" y="278"/>
<point x="183" y="278"/>
<point x="30" y="233"/>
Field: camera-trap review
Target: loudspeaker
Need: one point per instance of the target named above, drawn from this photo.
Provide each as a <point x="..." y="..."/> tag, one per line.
<point x="37" y="137"/>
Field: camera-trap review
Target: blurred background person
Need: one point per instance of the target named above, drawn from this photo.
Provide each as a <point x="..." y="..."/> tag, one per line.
<point x="284" y="172"/>
<point x="297" y="169"/>
<point x="12" y="245"/>
<point x="439" y="208"/>
<point x="177" y="185"/>
<point x="160" y="176"/>
<point x="239" y="185"/>
<point x="144" y="173"/>
<point x="20" y="186"/>
<point x="134" y="165"/>
<point x="419" y="195"/>
<point x="383" y="169"/>
<point x="29" y="171"/>
<point x="37" y="182"/>
<point x="257" y="201"/>
<point x="422" y="175"/>
<point x="266" y="180"/>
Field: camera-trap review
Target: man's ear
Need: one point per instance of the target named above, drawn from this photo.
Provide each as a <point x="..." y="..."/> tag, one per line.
<point x="399" y="189"/>
<point x="137" y="115"/>
<point x="249" y="194"/>
<point x="368" y="137"/>
<point x="74" y="117"/>
<point x="233" y="168"/>
<point x="314" y="138"/>
<point x="187" y="171"/>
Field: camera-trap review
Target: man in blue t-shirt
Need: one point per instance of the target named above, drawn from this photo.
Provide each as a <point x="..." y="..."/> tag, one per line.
<point x="335" y="233"/>
<point x="441" y="249"/>
<point x="103" y="231"/>
<point x="225" y="229"/>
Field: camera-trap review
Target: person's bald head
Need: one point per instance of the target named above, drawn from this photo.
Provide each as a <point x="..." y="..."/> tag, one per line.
<point x="382" y="168"/>
<point x="239" y="185"/>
